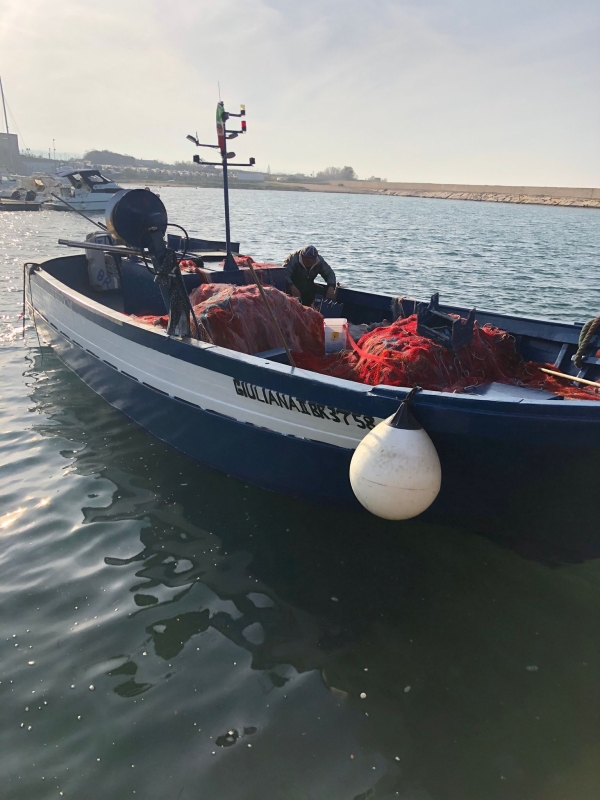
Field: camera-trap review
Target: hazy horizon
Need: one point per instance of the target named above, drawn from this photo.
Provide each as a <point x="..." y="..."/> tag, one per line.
<point x="443" y="92"/>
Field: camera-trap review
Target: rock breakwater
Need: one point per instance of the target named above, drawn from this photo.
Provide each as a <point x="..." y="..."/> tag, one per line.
<point x="532" y="195"/>
<point x="492" y="197"/>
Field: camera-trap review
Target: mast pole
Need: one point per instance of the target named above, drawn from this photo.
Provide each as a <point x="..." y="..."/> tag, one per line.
<point x="229" y="259"/>
<point x="222" y="117"/>
<point x="222" y="135"/>
<point x="4" y="106"/>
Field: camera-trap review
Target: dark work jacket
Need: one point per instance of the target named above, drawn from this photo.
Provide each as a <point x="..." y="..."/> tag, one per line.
<point x="304" y="279"/>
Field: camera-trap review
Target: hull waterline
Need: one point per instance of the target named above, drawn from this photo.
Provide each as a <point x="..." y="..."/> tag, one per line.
<point x="518" y="472"/>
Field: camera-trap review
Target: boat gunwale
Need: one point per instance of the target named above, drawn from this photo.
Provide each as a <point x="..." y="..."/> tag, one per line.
<point x="430" y="399"/>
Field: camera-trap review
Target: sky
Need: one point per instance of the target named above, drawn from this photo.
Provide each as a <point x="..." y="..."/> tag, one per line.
<point x="456" y="91"/>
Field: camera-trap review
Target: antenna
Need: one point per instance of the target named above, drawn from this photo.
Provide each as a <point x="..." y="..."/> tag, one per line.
<point x="4" y="106"/>
<point x="222" y="136"/>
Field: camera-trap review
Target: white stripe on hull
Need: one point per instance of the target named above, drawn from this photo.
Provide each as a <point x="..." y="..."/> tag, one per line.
<point x="211" y="391"/>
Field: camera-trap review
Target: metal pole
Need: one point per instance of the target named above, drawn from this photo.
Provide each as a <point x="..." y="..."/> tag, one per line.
<point x="4" y="106"/>
<point x="229" y="259"/>
<point x="81" y="214"/>
<point x="105" y="248"/>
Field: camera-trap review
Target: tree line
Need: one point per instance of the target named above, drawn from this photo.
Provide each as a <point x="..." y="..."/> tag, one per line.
<point x="338" y="173"/>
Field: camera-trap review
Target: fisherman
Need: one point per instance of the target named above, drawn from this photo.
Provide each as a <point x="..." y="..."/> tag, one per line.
<point x="302" y="267"/>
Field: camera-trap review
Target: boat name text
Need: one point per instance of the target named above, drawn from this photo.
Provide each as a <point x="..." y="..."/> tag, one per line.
<point x="330" y="413"/>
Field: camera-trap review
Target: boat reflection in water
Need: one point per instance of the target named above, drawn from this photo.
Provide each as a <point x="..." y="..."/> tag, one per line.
<point x="313" y="656"/>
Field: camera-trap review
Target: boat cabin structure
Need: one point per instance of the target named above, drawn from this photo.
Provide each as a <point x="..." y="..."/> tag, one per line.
<point x="84" y="190"/>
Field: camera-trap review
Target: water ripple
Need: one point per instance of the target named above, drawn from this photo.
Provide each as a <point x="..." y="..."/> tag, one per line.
<point x="242" y="645"/>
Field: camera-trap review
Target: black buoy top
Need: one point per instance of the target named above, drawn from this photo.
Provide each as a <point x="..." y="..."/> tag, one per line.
<point x="403" y="418"/>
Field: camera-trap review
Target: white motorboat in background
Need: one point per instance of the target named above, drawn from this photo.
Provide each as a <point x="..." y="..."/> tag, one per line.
<point x="83" y="189"/>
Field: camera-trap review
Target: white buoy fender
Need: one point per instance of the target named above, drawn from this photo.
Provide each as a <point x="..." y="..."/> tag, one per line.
<point x="395" y="471"/>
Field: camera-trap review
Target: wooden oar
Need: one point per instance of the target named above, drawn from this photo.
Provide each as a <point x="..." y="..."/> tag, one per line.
<point x="570" y="377"/>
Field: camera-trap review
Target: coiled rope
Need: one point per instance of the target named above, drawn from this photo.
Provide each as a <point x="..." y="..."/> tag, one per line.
<point x="585" y="337"/>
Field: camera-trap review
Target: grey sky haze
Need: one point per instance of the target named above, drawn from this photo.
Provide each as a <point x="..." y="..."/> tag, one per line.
<point x="465" y="91"/>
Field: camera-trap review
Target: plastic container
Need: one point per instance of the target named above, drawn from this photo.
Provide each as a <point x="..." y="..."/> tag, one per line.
<point x="336" y="334"/>
<point x="103" y="272"/>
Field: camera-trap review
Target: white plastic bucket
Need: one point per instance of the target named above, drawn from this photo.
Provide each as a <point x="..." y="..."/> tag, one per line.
<point x="336" y="335"/>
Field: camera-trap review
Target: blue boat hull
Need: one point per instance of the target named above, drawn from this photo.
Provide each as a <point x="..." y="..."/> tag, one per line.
<point x="520" y="471"/>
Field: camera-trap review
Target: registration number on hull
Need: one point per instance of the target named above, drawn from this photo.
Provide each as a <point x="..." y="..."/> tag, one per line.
<point x="261" y="395"/>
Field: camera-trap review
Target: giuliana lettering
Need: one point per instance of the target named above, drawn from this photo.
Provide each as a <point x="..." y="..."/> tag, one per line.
<point x="289" y="403"/>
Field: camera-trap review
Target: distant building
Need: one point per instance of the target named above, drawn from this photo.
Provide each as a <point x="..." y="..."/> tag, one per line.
<point x="10" y="158"/>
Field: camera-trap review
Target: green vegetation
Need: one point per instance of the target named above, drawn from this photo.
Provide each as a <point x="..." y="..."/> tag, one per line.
<point x="338" y="174"/>
<point x="108" y="157"/>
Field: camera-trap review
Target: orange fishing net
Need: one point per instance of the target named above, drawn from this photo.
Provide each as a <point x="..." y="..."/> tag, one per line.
<point x="397" y="355"/>
<point x="236" y="317"/>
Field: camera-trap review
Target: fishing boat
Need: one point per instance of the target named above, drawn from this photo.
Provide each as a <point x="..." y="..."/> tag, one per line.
<point x="515" y="462"/>
<point x="81" y="190"/>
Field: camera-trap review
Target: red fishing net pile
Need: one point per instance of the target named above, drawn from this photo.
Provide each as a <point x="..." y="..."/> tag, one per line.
<point x="188" y="265"/>
<point x="236" y="317"/>
<point x="397" y="355"/>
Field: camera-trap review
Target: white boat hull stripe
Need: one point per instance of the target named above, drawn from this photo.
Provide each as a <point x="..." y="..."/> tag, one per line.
<point x="214" y="391"/>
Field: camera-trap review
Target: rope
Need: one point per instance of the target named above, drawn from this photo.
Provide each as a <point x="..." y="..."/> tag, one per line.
<point x="585" y="337"/>
<point x="30" y="267"/>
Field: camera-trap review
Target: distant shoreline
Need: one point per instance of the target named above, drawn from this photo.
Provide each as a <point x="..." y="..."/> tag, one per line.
<point x="525" y="195"/>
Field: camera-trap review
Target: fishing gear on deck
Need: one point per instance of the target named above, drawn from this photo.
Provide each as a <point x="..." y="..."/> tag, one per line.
<point x="395" y="471"/>
<point x="586" y="336"/>
<point x="570" y="377"/>
<point x="263" y="295"/>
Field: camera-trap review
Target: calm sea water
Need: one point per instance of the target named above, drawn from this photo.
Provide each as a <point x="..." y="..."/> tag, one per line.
<point x="169" y="633"/>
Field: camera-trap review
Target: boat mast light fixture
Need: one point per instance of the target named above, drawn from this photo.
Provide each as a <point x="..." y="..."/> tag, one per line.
<point x="222" y="136"/>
